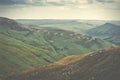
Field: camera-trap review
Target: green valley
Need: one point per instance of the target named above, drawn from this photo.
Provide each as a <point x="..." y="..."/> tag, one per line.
<point x="29" y="46"/>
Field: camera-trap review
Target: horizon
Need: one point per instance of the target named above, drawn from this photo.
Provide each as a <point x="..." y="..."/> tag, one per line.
<point x="63" y="19"/>
<point x="58" y="19"/>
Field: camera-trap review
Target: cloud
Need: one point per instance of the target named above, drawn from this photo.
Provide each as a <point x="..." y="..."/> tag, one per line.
<point x="20" y="1"/>
<point x="6" y="2"/>
<point x="60" y="9"/>
<point x="45" y="2"/>
<point x="105" y="1"/>
<point x="113" y="4"/>
<point x="53" y="2"/>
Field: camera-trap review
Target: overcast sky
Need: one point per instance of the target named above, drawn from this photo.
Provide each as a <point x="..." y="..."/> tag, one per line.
<point x="61" y="9"/>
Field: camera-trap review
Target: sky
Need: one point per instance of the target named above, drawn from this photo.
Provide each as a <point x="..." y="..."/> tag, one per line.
<point x="61" y="9"/>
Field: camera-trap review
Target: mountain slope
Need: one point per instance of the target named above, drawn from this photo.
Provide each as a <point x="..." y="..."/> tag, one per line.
<point x="16" y="55"/>
<point x="108" y="32"/>
<point x="101" y="65"/>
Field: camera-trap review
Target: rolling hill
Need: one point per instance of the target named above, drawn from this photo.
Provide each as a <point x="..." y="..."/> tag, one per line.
<point x="56" y="40"/>
<point x="23" y="46"/>
<point x="108" y="32"/>
<point x="72" y="25"/>
<point x="68" y="42"/>
<point x="100" y="65"/>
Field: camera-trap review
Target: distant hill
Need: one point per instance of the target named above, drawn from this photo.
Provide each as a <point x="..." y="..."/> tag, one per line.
<point x="73" y="25"/>
<point x="100" y="65"/>
<point x="107" y="31"/>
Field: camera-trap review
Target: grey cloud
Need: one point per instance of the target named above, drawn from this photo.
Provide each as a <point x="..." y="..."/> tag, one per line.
<point x="40" y="2"/>
<point x="68" y="3"/>
<point x="6" y="2"/>
<point x="19" y="1"/>
<point x="105" y="1"/>
<point x="12" y="2"/>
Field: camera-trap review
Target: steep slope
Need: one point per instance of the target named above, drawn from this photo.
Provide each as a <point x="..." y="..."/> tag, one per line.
<point x="101" y="65"/>
<point x="108" y="32"/>
<point x="16" y="55"/>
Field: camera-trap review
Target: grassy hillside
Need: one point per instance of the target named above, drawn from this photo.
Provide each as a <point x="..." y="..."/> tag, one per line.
<point x="72" y="42"/>
<point x="58" y="41"/>
<point x="15" y="55"/>
<point x="100" y="65"/>
<point x="23" y="47"/>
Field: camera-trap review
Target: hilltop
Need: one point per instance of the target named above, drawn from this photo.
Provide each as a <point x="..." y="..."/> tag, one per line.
<point x="11" y="24"/>
<point x="107" y="31"/>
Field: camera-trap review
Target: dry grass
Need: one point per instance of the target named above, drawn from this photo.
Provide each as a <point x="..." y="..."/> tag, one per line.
<point x="71" y="59"/>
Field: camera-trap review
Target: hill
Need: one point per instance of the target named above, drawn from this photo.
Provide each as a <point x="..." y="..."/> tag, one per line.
<point x="16" y="55"/>
<point x="58" y="41"/>
<point x="107" y="31"/>
<point x="11" y="24"/>
<point x="72" y="25"/>
<point x="28" y="46"/>
<point x="100" y="65"/>
<point x="67" y="42"/>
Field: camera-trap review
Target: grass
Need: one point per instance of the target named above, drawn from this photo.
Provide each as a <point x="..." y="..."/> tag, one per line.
<point x="15" y="55"/>
<point x="20" y="50"/>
